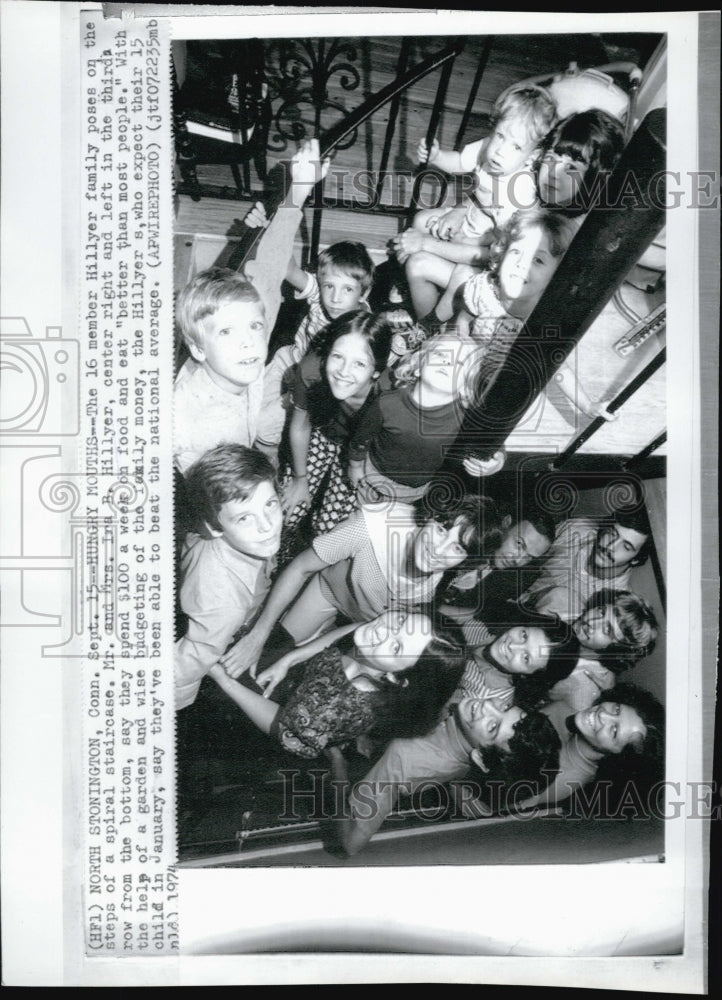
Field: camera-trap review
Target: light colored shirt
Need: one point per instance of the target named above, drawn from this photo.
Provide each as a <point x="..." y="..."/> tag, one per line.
<point x="496" y="198"/>
<point x="566" y="582"/>
<point x="366" y="555"/>
<point x="205" y="415"/>
<point x="221" y="591"/>
<point x="482" y="680"/>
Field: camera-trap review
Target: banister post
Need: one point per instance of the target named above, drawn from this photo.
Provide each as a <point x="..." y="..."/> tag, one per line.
<point x="629" y="214"/>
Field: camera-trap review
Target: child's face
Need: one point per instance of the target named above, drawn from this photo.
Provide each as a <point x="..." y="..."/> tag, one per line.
<point x="443" y="366"/>
<point x="350" y="367"/>
<point x="437" y="548"/>
<point x="340" y="293"/>
<point x="235" y="344"/>
<point x="526" y="269"/>
<point x="394" y="641"/>
<point x="508" y="148"/>
<point x="560" y="178"/>
<point x="253" y="526"/>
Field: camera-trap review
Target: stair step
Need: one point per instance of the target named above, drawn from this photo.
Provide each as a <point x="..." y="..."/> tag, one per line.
<point x="197" y="248"/>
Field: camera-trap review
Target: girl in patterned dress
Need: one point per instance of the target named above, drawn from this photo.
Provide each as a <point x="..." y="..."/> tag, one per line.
<point x="390" y="676"/>
<point x="336" y="381"/>
<point x="497" y="302"/>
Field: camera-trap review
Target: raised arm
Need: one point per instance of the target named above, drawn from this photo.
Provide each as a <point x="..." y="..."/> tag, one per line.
<point x="371" y="803"/>
<point x="275" y="247"/>
<point x="246" y="652"/>
<point x="445" y="159"/>
<point x="256" y="218"/>
<point x="296" y="276"/>
<point x="274" y="674"/>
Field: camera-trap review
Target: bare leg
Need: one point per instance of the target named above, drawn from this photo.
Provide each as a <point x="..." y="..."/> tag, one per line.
<point x="427" y="275"/>
<point x="259" y="710"/>
<point x="310" y="614"/>
<point x="460" y="274"/>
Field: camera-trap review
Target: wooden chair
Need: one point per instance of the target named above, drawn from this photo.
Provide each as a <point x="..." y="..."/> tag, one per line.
<point x="222" y="110"/>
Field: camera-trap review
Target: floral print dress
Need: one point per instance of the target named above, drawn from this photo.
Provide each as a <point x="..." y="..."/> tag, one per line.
<point x="325" y="709"/>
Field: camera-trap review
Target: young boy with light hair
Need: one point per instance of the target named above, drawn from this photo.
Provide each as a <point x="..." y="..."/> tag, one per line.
<point x="218" y="395"/>
<point x="503" y="168"/>
<point x="341" y="284"/>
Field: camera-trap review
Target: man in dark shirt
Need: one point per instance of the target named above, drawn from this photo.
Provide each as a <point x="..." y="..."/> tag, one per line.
<point x="479" y="600"/>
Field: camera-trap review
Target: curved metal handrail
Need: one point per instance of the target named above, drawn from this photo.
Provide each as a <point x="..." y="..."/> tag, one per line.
<point x="336" y="134"/>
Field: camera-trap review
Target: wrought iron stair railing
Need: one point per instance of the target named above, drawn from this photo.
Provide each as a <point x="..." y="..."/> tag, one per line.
<point x="623" y="224"/>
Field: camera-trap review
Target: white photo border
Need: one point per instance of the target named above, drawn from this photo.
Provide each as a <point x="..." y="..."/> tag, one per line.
<point x="40" y="871"/>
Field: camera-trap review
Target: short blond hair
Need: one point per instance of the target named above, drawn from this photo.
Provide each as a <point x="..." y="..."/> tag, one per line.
<point x="204" y="295"/>
<point x="534" y="105"/>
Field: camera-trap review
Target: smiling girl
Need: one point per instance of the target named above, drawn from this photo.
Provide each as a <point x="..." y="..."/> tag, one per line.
<point x="385" y="555"/>
<point x="335" y="382"/>
<point x="514" y="655"/>
<point x="498" y="301"/>
<point x="391" y="676"/>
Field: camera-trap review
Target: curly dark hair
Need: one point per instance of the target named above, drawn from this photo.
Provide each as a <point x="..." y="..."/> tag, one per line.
<point x="533" y="756"/>
<point x="631" y="780"/>
<point x="530" y="690"/>
<point x="646" y="753"/>
<point x="634" y="516"/>
<point x="411" y="700"/>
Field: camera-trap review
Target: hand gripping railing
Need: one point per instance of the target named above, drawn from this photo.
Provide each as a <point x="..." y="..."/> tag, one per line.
<point x="280" y="179"/>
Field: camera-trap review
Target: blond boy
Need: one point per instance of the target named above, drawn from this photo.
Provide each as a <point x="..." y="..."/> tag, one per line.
<point x="219" y="392"/>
